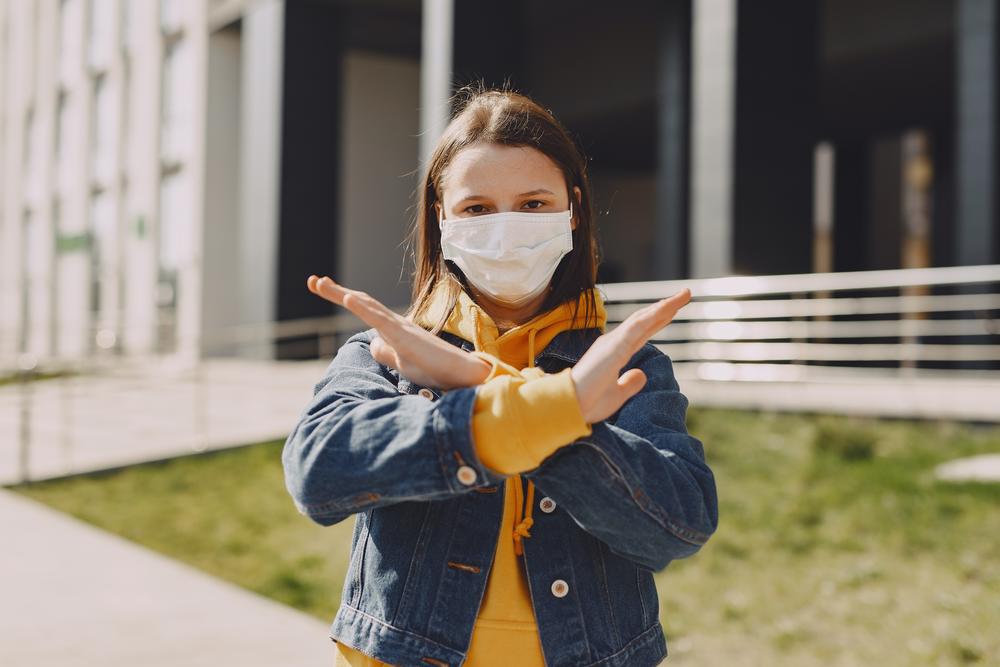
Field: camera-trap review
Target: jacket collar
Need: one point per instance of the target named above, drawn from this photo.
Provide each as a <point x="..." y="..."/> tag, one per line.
<point x="568" y="345"/>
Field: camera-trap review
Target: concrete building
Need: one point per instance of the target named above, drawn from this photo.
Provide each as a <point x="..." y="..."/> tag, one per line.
<point x="171" y="168"/>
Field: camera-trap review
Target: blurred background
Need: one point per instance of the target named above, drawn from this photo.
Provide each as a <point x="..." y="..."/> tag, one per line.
<point x="821" y="173"/>
<point x="175" y="167"/>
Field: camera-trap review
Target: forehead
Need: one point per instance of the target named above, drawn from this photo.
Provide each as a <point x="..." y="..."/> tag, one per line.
<point x="494" y="169"/>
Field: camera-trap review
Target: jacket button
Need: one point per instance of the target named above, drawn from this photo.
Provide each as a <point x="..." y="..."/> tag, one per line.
<point x="560" y="588"/>
<point x="426" y="393"/>
<point x="466" y="475"/>
<point x="547" y="505"/>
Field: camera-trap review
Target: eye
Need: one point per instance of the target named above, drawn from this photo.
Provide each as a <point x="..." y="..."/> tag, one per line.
<point x="468" y="209"/>
<point x="535" y="201"/>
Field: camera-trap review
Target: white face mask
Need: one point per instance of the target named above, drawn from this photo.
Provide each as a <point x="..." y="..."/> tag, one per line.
<point x="509" y="256"/>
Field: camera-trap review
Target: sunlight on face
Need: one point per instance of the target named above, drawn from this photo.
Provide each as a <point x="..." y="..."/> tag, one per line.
<point x="490" y="178"/>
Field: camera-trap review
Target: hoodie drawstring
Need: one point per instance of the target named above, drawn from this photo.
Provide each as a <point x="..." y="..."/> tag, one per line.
<point x="531" y="347"/>
<point x="521" y="529"/>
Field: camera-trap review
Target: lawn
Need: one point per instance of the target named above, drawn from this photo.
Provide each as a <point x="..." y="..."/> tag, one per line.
<point x="836" y="546"/>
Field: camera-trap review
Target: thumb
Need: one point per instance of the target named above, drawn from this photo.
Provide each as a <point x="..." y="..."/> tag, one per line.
<point x="630" y="383"/>
<point x="383" y="353"/>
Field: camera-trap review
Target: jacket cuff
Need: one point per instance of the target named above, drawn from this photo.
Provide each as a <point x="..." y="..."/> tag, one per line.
<point x="518" y="422"/>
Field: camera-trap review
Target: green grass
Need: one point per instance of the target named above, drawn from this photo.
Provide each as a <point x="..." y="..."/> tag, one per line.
<point x="34" y="376"/>
<point x="836" y="546"/>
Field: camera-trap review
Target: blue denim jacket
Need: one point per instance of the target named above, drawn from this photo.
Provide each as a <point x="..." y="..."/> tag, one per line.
<point x="628" y="499"/>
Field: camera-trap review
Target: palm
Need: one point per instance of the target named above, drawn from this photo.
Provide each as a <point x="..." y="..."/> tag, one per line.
<point x="417" y="354"/>
<point x="599" y="389"/>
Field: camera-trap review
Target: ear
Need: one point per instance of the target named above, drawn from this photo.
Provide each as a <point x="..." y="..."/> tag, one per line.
<point x="579" y="202"/>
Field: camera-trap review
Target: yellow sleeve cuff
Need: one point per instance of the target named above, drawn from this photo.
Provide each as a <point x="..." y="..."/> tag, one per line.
<point x="498" y="367"/>
<point x="517" y="422"/>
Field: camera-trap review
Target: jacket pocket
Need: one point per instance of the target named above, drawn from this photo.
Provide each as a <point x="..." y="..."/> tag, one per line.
<point x="649" y="598"/>
<point x="355" y="571"/>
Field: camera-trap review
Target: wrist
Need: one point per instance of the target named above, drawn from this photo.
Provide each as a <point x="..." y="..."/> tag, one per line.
<point x="480" y="369"/>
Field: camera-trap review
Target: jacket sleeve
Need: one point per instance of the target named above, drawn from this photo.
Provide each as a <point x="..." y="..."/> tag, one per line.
<point x="639" y="482"/>
<point x="361" y="443"/>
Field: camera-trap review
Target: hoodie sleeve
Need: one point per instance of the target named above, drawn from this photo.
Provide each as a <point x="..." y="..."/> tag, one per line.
<point x="520" y="417"/>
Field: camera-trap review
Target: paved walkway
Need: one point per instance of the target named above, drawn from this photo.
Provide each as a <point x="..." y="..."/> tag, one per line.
<point x="873" y="393"/>
<point x="73" y="594"/>
<point x="58" y="427"/>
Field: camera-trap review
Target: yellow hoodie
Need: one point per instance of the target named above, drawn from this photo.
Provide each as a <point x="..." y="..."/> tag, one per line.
<point x="521" y="415"/>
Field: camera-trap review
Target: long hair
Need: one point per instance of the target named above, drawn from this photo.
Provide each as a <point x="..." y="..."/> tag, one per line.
<point x="503" y="116"/>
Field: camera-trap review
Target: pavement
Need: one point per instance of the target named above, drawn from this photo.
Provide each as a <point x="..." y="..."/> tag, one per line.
<point x="136" y="413"/>
<point x="72" y="594"/>
<point x="980" y="468"/>
<point x="75" y="595"/>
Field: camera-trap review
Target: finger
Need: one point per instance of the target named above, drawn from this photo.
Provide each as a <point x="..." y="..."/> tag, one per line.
<point x="643" y="323"/>
<point x="368" y="309"/>
<point x="631" y="383"/>
<point x="384" y="353"/>
<point x="329" y="289"/>
<point x="664" y="311"/>
<point x="325" y="287"/>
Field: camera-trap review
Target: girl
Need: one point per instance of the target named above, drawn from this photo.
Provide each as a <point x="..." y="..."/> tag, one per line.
<point x="514" y="489"/>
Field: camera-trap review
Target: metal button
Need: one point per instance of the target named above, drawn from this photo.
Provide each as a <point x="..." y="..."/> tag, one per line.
<point x="547" y="505"/>
<point x="426" y="393"/>
<point x="560" y="588"/>
<point x="466" y="475"/>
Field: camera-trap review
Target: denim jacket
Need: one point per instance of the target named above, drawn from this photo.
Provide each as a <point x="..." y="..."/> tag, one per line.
<point x="614" y="508"/>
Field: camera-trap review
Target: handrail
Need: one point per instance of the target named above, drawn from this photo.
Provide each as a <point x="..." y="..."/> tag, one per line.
<point x="803" y="282"/>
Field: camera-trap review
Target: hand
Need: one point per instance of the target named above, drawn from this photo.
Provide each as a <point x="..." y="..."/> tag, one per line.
<point x="416" y="353"/>
<point x="599" y="389"/>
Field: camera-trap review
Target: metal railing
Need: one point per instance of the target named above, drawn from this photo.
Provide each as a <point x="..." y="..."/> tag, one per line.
<point x="877" y="329"/>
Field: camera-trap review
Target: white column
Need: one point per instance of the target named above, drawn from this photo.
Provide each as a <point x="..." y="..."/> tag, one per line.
<point x="713" y="96"/>
<point x="142" y="164"/>
<point x="435" y="73"/>
<point x="260" y="144"/>
<point x="14" y="44"/>
<point x="189" y="306"/>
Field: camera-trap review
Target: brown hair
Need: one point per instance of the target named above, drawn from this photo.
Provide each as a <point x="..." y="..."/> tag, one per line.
<point x="503" y="116"/>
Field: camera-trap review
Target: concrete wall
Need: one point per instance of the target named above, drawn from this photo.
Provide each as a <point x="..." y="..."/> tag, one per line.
<point x="379" y="159"/>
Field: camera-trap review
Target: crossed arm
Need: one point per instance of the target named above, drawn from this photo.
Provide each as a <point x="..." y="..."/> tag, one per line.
<point x="633" y="478"/>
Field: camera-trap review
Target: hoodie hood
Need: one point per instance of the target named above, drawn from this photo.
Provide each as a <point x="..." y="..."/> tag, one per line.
<point x="517" y="346"/>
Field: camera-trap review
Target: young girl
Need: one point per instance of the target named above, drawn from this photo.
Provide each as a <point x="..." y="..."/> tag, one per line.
<point x="517" y="474"/>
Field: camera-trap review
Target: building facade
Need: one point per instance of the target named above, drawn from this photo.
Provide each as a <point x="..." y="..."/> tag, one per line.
<point x="171" y="169"/>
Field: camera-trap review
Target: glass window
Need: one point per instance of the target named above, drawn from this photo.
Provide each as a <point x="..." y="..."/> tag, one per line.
<point x="172" y="15"/>
<point x="178" y="111"/>
<point x="176" y="213"/>
<point x="35" y="255"/>
<point x="70" y="38"/>
<point x="101" y="40"/>
<point x="128" y="24"/>
<point x="32" y="160"/>
<point x="30" y="234"/>
<point x="63" y="144"/>
<point x="103" y="244"/>
<point x="104" y="138"/>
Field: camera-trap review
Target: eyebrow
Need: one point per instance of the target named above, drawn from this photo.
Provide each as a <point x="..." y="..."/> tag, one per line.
<point x="540" y="191"/>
